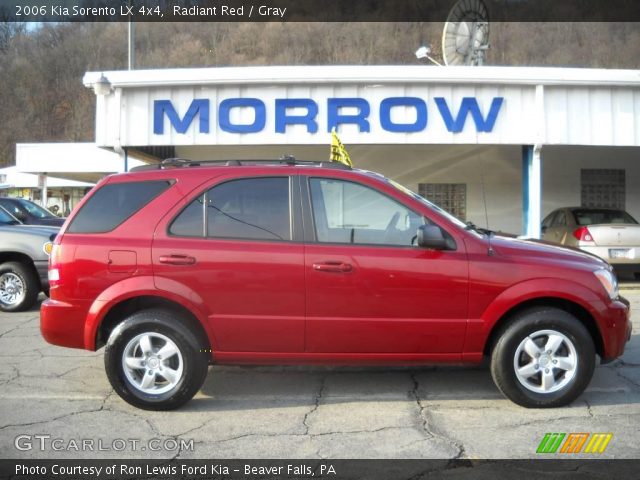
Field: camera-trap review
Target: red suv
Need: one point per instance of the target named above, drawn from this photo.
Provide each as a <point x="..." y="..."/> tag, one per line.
<point x="186" y="264"/>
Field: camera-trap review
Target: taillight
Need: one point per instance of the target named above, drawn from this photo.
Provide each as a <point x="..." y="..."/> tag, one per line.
<point x="54" y="257"/>
<point x="583" y="234"/>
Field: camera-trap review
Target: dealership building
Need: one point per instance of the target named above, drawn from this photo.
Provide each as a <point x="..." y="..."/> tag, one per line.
<point x="522" y="141"/>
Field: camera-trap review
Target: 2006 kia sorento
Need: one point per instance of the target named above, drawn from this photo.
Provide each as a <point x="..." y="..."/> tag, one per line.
<point x="177" y="267"/>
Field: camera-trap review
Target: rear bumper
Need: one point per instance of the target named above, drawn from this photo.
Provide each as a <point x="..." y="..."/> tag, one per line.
<point x="616" y="329"/>
<point x="62" y="324"/>
<point x="603" y="252"/>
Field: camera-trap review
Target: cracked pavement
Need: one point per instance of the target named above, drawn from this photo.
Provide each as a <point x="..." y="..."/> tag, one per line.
<point x="299" y="412"/>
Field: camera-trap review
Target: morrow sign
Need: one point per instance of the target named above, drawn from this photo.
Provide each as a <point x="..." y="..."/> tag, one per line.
<point x="339" y="111"/>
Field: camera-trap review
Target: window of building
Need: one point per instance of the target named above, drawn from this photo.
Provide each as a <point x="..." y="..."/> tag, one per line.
<point x="604" y="188"/>
<point x="452" y="197"/>
<point x="347" y="212"/>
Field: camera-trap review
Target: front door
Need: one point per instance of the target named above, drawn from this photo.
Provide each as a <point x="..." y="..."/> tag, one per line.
<point x="369" y="288"/>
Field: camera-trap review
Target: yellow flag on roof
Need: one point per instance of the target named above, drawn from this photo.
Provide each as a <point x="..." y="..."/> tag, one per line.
<point x="338" y="152"/>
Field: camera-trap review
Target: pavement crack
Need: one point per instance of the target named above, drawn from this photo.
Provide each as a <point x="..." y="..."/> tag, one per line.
<point x="623" y="363"/>
<point x="346" y="432"/>
<point x="589" y="411"/>
<point x="430" y="430"/>
<point x="196" y="428"/>
<point x="627" y="379"/>
<point x="315" y="406"/>
<point x="17" y="327"/>
<point x="15" y="374"/>
<point x="49" y="420"/>
<point x="416" y="396"/>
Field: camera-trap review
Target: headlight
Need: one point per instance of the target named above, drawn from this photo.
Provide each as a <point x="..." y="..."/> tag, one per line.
<point x="609" y="282"/>
<point x="47" y="247"/>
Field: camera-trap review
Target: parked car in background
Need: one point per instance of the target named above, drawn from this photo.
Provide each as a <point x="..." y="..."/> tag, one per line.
<point x="30" y="213"/>
<point x="310" y="262"/>
<point x="611" y="234"/>
<point x="24" y="257"/>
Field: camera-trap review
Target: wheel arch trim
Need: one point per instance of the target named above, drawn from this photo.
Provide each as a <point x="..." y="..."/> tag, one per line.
<point x="564" y="294"/>
<point x="134" y="289"/>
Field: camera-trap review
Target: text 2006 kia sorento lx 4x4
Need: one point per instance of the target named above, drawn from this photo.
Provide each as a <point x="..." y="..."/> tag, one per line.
<point x="177" y="267"/>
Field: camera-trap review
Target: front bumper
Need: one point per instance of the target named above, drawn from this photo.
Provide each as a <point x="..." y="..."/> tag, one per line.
<point x="617" y="329"/>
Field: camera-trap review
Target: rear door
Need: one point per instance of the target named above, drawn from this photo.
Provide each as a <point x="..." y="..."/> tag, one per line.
<point x="234" y="250"/>
<point x="369" y="288"/>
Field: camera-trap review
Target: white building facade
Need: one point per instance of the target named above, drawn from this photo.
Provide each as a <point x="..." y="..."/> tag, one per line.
<point x="523" y="141"/>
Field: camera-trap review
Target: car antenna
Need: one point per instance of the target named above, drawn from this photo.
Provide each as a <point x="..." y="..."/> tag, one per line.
<point x="491" y="252"/>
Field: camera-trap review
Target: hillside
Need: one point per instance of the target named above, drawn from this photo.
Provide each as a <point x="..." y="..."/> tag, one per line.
<point x="42" y="97"/>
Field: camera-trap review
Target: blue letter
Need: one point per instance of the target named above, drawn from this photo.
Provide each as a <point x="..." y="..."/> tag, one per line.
<point x="282" y="119"/>
<point x="228" y="104"/>
<point x="333" y="113"/>
<point x="160" y="107"/>
<point x="469" y="105"/>
<point x="421" y="114"/>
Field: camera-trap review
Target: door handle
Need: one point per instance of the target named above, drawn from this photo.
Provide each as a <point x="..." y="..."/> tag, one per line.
<point x="177" y="259"/>
<point x="333" y="266"/>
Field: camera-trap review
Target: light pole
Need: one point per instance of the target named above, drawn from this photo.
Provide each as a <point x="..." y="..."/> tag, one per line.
<point x="132" y="39"/>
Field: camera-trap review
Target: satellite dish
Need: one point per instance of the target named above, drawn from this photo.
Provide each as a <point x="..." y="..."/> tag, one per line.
<point x="465" y="37"/>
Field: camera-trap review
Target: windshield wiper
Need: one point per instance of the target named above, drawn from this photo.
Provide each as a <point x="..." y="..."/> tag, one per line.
<point x="482" y="231"/>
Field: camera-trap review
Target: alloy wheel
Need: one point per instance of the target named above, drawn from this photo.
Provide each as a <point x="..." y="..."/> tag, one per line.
<point x="545" y="361"/>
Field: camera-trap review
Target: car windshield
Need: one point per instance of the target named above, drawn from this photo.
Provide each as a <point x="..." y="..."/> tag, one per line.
<point x="6" y="219"/>
<point x="35" y="210"/>
<point x="591" y="216"/>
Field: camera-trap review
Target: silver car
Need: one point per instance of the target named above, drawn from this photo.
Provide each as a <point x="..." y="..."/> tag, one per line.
<point x="611" y="234"/>
<point x="24" y="256"/>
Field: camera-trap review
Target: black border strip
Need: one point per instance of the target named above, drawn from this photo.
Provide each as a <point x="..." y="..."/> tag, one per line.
<point x="312" y="10"/>
<point x="295" y="469"/>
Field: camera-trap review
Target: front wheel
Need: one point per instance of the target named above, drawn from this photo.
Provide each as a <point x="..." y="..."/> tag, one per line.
<point x="544" y="358"/>
<point x="154" y="362"/>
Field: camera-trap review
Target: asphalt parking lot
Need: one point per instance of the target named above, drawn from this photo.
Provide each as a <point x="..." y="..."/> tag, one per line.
<point x="60" y="399"/>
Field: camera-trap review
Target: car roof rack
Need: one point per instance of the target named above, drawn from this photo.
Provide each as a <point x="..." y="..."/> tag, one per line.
<point x="284" y="160"/>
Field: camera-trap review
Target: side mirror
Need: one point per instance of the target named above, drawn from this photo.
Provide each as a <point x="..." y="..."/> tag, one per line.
<point x="430" y="236"/>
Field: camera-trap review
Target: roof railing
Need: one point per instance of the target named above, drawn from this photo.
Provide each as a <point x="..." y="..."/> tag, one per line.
<point x="289" y="160"/>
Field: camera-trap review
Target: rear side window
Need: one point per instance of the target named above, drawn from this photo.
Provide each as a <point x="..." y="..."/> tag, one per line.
<point x="249" y="208"/>
<point x="113" y="204"/>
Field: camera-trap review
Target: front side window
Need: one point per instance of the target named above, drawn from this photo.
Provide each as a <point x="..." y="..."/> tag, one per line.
<point x="249" y="208"/>
<point x="347" y="212"/>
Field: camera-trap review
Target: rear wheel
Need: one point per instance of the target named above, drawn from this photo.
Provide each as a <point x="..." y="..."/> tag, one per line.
<point x="19" y="287"/>
<point x="544" y="358"/>
<point x="154" y="362"/>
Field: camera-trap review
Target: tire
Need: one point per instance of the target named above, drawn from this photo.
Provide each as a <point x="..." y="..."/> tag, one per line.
<point x="543" y="380"/>
<point x="139" y="380"/>
<point x="19" y="287"/>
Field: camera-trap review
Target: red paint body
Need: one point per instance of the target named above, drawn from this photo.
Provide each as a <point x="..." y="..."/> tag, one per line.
<point x="301" y="301"/>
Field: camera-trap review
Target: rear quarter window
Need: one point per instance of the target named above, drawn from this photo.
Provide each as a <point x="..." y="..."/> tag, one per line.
<point x="113" y="204"/>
